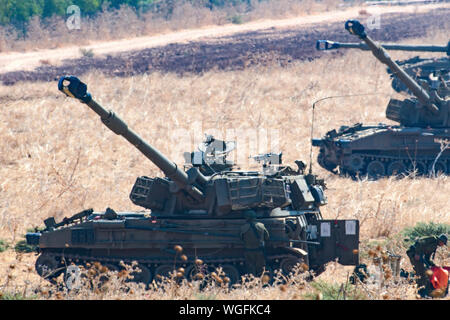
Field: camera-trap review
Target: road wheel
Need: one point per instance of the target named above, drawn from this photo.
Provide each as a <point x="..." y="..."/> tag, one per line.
<point x="163" y="271"/>
<point x="105" y="272"/>
<point x="375" y="169"/>
<point x="198" y="271"/>
<point x="232" y="273"/>
<point x="141" y="274"/>
<point x="287" y="264"/>
<point x="419" y="167"/>
<point x="396" y="168"/>
<point x="439" y="168"/>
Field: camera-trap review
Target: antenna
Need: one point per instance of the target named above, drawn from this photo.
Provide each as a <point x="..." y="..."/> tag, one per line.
<point x="312" y="117"/>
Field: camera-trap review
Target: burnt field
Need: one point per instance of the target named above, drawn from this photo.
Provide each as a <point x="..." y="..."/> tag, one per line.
<point x="236" y="52"/>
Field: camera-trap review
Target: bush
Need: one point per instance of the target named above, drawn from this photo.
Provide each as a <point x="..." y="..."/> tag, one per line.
<point x="88" y="53"/>
<point x="236" y="20"/>
<point x="422" y="229"/>
<point x="15" y="296"/>
<point x="3" y="245"/>
<point x="24" y="247"/>
<point x="334" y="291"/>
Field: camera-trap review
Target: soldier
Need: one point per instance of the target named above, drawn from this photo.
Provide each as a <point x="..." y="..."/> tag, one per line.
<point x="420" y="253"/>
<point x="254" y="234"/>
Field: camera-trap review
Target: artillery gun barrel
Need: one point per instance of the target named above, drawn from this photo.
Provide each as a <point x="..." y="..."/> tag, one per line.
<point x="323" y="45"/>
<point x="356" y="28"/>
<point x="78" y="89"/>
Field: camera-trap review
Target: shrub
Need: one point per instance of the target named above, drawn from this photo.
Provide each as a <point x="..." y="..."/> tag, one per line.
<point x="3" y="245"/>
<point x="236" y="19"/>
<point x="334" y="291"/>
<point x="88" y="53"/>
<point x="422" y="229"/>
<point x="15" y="296"/>
<point x="24" y="247"/>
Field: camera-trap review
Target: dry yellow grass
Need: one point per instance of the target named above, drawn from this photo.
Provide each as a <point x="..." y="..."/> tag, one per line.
<point x="58" y="159"/>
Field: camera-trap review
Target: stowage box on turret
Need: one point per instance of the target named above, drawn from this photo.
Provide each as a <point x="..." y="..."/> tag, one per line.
<point x="202" y="213"/>
<point x="417" y="144"/>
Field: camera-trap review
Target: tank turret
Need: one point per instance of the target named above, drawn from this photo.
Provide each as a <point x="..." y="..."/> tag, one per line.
<point x="427" y="109"/>
<point x="420" y="69"/>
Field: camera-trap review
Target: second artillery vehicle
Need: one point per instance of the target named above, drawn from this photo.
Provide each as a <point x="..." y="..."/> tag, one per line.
<point x="419" y="143"/>
<point x="202" y="213"/>
<point x="420" y="69"/>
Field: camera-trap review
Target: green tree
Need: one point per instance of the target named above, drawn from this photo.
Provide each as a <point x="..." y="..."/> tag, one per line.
<point x="55" y="7"/>
<point x="19" y="11"/>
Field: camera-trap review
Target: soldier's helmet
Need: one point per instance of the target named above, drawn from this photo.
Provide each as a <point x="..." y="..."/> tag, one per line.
<point x="443" y="238"/>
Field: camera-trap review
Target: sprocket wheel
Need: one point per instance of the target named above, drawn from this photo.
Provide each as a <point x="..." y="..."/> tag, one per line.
<point x="47" y="267"/>
<point x="356" y="162"/>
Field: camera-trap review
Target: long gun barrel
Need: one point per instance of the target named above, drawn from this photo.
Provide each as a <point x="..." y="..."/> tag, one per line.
<point x="325" y="45"/>
<point x="356" y="28"/>
<point x="74" y="88"/>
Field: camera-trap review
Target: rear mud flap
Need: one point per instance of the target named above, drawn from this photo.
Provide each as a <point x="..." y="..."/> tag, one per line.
<point x="339" y="240"/>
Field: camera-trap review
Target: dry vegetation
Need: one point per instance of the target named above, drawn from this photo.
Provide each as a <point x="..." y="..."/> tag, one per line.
<point x="127" y="23"/>
<point x="57" y="159"/>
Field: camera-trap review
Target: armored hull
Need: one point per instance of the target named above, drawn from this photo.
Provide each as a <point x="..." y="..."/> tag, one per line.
<point x="200" y="211"/>
<point x="382" y="150"/>
<point x="150" y="242"/>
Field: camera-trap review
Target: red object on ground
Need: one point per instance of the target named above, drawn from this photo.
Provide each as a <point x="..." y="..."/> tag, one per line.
<point x="439" y="279"/>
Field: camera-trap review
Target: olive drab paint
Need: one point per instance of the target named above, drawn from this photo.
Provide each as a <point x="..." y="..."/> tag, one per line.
<point x="418" y="143"/>
<point x="421" y="69"/>
<point x="200" y="212"/>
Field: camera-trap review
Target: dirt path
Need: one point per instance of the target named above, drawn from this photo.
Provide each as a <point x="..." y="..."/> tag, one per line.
<point x="14" y="61"/>
<point x="224" y="47"/>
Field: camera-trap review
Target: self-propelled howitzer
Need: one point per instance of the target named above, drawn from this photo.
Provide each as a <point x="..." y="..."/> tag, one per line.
<point x="420" y="69"/>
<point x="201" y="213"/>
<point x="417" y="144"/>
<point x="428" y="109"/>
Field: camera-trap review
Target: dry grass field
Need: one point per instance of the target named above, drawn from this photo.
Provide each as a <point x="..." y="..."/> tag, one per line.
<point x="57" y="159"/>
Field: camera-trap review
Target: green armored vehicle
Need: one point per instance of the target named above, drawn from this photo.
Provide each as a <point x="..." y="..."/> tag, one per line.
<point x="202" y="213"/>
<point x="420" y="69"/>
<point x="418" y="143"/>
